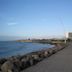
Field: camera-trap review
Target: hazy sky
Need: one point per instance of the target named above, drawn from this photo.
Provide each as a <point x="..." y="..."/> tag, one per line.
<point x="35" y="18"/>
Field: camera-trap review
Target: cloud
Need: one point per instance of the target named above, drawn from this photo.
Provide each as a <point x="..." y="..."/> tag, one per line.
<point x="12" y="23"/>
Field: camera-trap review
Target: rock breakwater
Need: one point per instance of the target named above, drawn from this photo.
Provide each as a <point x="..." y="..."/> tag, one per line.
<point x="19" y="63"/>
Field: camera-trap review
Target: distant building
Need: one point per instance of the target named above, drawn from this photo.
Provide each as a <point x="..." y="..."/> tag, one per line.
<point x="69" y="35"/>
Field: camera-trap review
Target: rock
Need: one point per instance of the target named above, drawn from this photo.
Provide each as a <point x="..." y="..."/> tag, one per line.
<point x="45" y="53"/>
<point x="36" y="58"/>
<point x="41" y="55"/>
<point x="50" y="51"/>
<point x="2" y="60"/>
<point x="25" y="62"/>
<point x="16" y="62"/>
<point x="0" y="67"/>
<point x="31" y="62"/>
<point x="59" y="46"/>
<point x="54" y="50"/>
<point x="12" y="65"/>
<point x="7" y="67"/>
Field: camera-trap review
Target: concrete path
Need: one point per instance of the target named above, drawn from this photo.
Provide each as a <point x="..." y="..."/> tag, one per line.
<point x="59" y="62"/>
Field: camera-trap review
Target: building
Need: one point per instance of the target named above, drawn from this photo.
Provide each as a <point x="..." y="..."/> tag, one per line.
<point x="69" y="35"/>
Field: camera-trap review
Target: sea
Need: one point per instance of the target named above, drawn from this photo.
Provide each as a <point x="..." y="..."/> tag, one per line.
<point x="13" y="48"/>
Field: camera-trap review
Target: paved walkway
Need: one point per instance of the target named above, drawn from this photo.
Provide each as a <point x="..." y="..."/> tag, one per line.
<point x="59" y="62"/>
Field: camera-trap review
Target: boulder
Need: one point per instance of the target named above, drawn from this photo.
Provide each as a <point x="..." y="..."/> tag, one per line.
<point x="11" y="65"/>
<point x="16" y="62"/>
<point x="2" y="60"/>
<point x="41" y="55"/>
<point x="7" y="67"/>
<point x="25" y="62"/>
<point x="36" y="58"/>
<point x="0" y="67"/>
<point x="54" y="50"/>
<point x="45" y="53"/>
<point x="50" y="51"/>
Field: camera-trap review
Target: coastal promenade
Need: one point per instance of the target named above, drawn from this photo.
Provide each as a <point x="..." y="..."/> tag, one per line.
<point x="58" y="62"/>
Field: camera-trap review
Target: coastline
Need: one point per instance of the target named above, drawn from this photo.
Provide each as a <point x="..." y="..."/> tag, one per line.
<point x="19" y="63"/>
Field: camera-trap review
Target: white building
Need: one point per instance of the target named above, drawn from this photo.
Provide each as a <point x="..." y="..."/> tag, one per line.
<point x="69" y="35"/>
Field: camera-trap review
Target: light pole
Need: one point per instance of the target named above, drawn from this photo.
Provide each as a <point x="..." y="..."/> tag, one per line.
<point x="63" y="29"/>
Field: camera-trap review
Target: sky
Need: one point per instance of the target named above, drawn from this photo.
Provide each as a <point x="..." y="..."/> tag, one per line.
<point x="35" y="18"/>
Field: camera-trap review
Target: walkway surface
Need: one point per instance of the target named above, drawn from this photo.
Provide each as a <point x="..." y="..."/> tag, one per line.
<point x="59" y="62"/>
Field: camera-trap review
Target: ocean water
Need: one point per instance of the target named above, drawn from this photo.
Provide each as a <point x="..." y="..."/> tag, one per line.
<point x="11" y="48"/>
